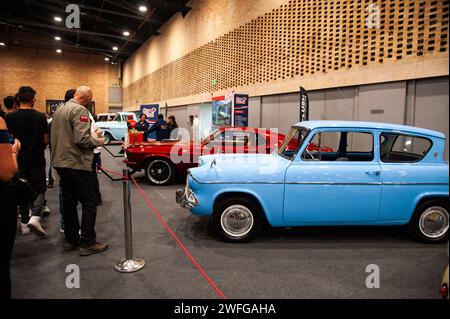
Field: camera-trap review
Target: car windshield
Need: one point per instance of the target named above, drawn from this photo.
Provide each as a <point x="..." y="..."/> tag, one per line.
<point x="292" y="142"/>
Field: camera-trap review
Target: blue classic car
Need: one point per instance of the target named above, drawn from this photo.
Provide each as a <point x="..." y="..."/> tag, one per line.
<point x="377" y="174"/>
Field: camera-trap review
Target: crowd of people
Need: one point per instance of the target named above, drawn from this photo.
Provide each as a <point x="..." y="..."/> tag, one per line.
<point x="74" y="141"/>
<point x="163" y="130"/>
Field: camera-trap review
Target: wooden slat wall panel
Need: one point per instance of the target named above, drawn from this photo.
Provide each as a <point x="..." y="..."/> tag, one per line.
<point x="303" y="38"/>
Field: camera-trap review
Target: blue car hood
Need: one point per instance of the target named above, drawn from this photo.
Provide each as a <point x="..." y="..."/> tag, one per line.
<point x="240" y="168"/>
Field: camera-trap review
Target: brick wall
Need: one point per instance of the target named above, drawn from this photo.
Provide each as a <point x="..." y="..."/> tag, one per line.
<point x="51" y="74"/>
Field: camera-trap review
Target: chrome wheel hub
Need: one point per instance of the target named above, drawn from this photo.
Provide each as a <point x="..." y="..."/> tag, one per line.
<point x="159" y="172"/>
<point x="237" y="220"/>
<point x="434" y="222"/>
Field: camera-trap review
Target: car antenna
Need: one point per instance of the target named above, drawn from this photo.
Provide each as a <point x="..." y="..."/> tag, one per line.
<point x="213" y="162"/>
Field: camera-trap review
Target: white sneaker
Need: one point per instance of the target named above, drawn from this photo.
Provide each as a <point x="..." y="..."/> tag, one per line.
<point x="24" y="229"/>
<point x="35" y="225"/>
<point x="45" y="211"/>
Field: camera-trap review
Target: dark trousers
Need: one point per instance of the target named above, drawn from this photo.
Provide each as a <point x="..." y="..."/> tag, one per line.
<point x="8" y="224"/>
<point x="36" y="177"/>
<point x="97" y="161"/>
<point x="51" y="180"/>
<point x="78" y="186"/>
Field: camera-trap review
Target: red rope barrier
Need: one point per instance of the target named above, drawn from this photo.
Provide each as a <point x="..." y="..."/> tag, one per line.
<point x="161" y="220"/>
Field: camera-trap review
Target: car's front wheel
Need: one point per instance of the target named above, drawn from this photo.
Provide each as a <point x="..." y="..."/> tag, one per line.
<point x="160" y="171"/>
<point x="430" y="222"/>
<point x="237" y="219"/>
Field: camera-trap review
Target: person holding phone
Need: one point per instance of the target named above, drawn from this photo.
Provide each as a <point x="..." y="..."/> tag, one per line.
<point x="9" y="149"/>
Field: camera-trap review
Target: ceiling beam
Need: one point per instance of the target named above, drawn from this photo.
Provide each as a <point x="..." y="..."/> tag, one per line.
<point x="24" y="36"/>
<point x="52" y="27"/>
<point x="131" y="37"/>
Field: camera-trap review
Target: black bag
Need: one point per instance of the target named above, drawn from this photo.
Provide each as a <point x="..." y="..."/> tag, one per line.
<point x="25" y="194"/>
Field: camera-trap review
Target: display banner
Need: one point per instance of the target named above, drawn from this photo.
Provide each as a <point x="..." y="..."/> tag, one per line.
<point x="152" y="112"/>
<point x="304" y="105"/>
<point x="221" y="113"/>
<point x="241" y="110"/>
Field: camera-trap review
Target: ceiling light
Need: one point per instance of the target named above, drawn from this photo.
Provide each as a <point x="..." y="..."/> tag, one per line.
<point x="2" y="44"/>
<point x="58" y="38"/>
<point x="126" y="33"/>
<point x="106" y="59"/>
<point x="58" y="19"/>
<point x="58" y="50"/>
<point x="115" y="48"/>
<point x="143" y="8"/>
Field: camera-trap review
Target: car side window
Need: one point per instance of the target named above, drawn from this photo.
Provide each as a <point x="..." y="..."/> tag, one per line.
<point x="340" y="146"/>
<point x="236" y="138"/>
<point x="403" y="148"/>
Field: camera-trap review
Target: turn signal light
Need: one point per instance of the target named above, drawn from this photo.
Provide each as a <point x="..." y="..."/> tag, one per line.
<point x="444" y="291"/>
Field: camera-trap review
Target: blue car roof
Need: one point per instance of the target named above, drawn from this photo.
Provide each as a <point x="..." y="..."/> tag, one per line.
<point x="369" y="125"/>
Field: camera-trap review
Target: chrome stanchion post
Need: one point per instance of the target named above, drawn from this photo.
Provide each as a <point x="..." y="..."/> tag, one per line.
<point x="129" y="264"/>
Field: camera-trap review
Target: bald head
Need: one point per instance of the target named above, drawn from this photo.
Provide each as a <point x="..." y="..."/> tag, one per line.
<point x="83" y="95"/>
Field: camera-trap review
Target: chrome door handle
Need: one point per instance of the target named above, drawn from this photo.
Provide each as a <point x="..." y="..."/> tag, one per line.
<point x="377" y="173"/>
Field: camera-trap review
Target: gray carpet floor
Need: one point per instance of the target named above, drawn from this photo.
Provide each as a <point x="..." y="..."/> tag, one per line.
<point x="324" y="262"/>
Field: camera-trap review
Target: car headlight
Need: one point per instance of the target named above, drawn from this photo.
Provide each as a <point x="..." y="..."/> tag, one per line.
<point x="189" y="194"/>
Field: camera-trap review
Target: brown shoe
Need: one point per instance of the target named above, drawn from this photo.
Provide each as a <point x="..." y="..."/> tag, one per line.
<point x="94" y="248"/>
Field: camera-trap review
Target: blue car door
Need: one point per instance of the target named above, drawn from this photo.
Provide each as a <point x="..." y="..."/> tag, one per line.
<point x="335" y="180"/>
<point x="118" y="127"/>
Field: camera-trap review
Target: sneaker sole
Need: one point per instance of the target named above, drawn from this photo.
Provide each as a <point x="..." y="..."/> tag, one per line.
<point x="35" y="230"/>
<point x="90" y="252"/>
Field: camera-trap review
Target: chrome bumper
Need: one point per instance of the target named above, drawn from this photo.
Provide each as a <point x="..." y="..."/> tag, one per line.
<point x="180" y="197"/>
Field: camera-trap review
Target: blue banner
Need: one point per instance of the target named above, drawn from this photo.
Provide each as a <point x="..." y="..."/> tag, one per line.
<point x="152" y="112"/>
<point x="241" y="110"/>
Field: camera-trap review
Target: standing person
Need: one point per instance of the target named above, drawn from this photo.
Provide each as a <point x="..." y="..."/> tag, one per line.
<point x="72" y="157"/>
<point x="10" y="104"/>
<point x="67" y="97"/>
<point x="143" y="126"/>
<point x="97" y="159"/>
<point x="8" y="219"/>
<point x="173" y="127"/>
<point x="161" y="128"/>
<point x="50" y="175"/>
<point x="30" y="127"/>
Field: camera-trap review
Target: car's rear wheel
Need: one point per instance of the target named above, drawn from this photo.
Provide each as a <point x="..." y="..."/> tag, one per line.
<point x="108" y="138"/>
<point x="160" y="172"/>
<point x="430" y="222"/>
<point x="237" y="219"/>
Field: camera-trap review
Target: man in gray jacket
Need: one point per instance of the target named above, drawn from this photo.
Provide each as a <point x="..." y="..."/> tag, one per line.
<point x="72" y="154"/>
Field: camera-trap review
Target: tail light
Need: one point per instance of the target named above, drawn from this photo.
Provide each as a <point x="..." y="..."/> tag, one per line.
<point x="444" y="291"/>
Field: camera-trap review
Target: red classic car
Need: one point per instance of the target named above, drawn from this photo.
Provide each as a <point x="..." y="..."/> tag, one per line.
<point x="163" y="161"/>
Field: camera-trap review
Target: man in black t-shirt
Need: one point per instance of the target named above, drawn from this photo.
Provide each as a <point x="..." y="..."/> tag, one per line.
<point x="30" y="127"/>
